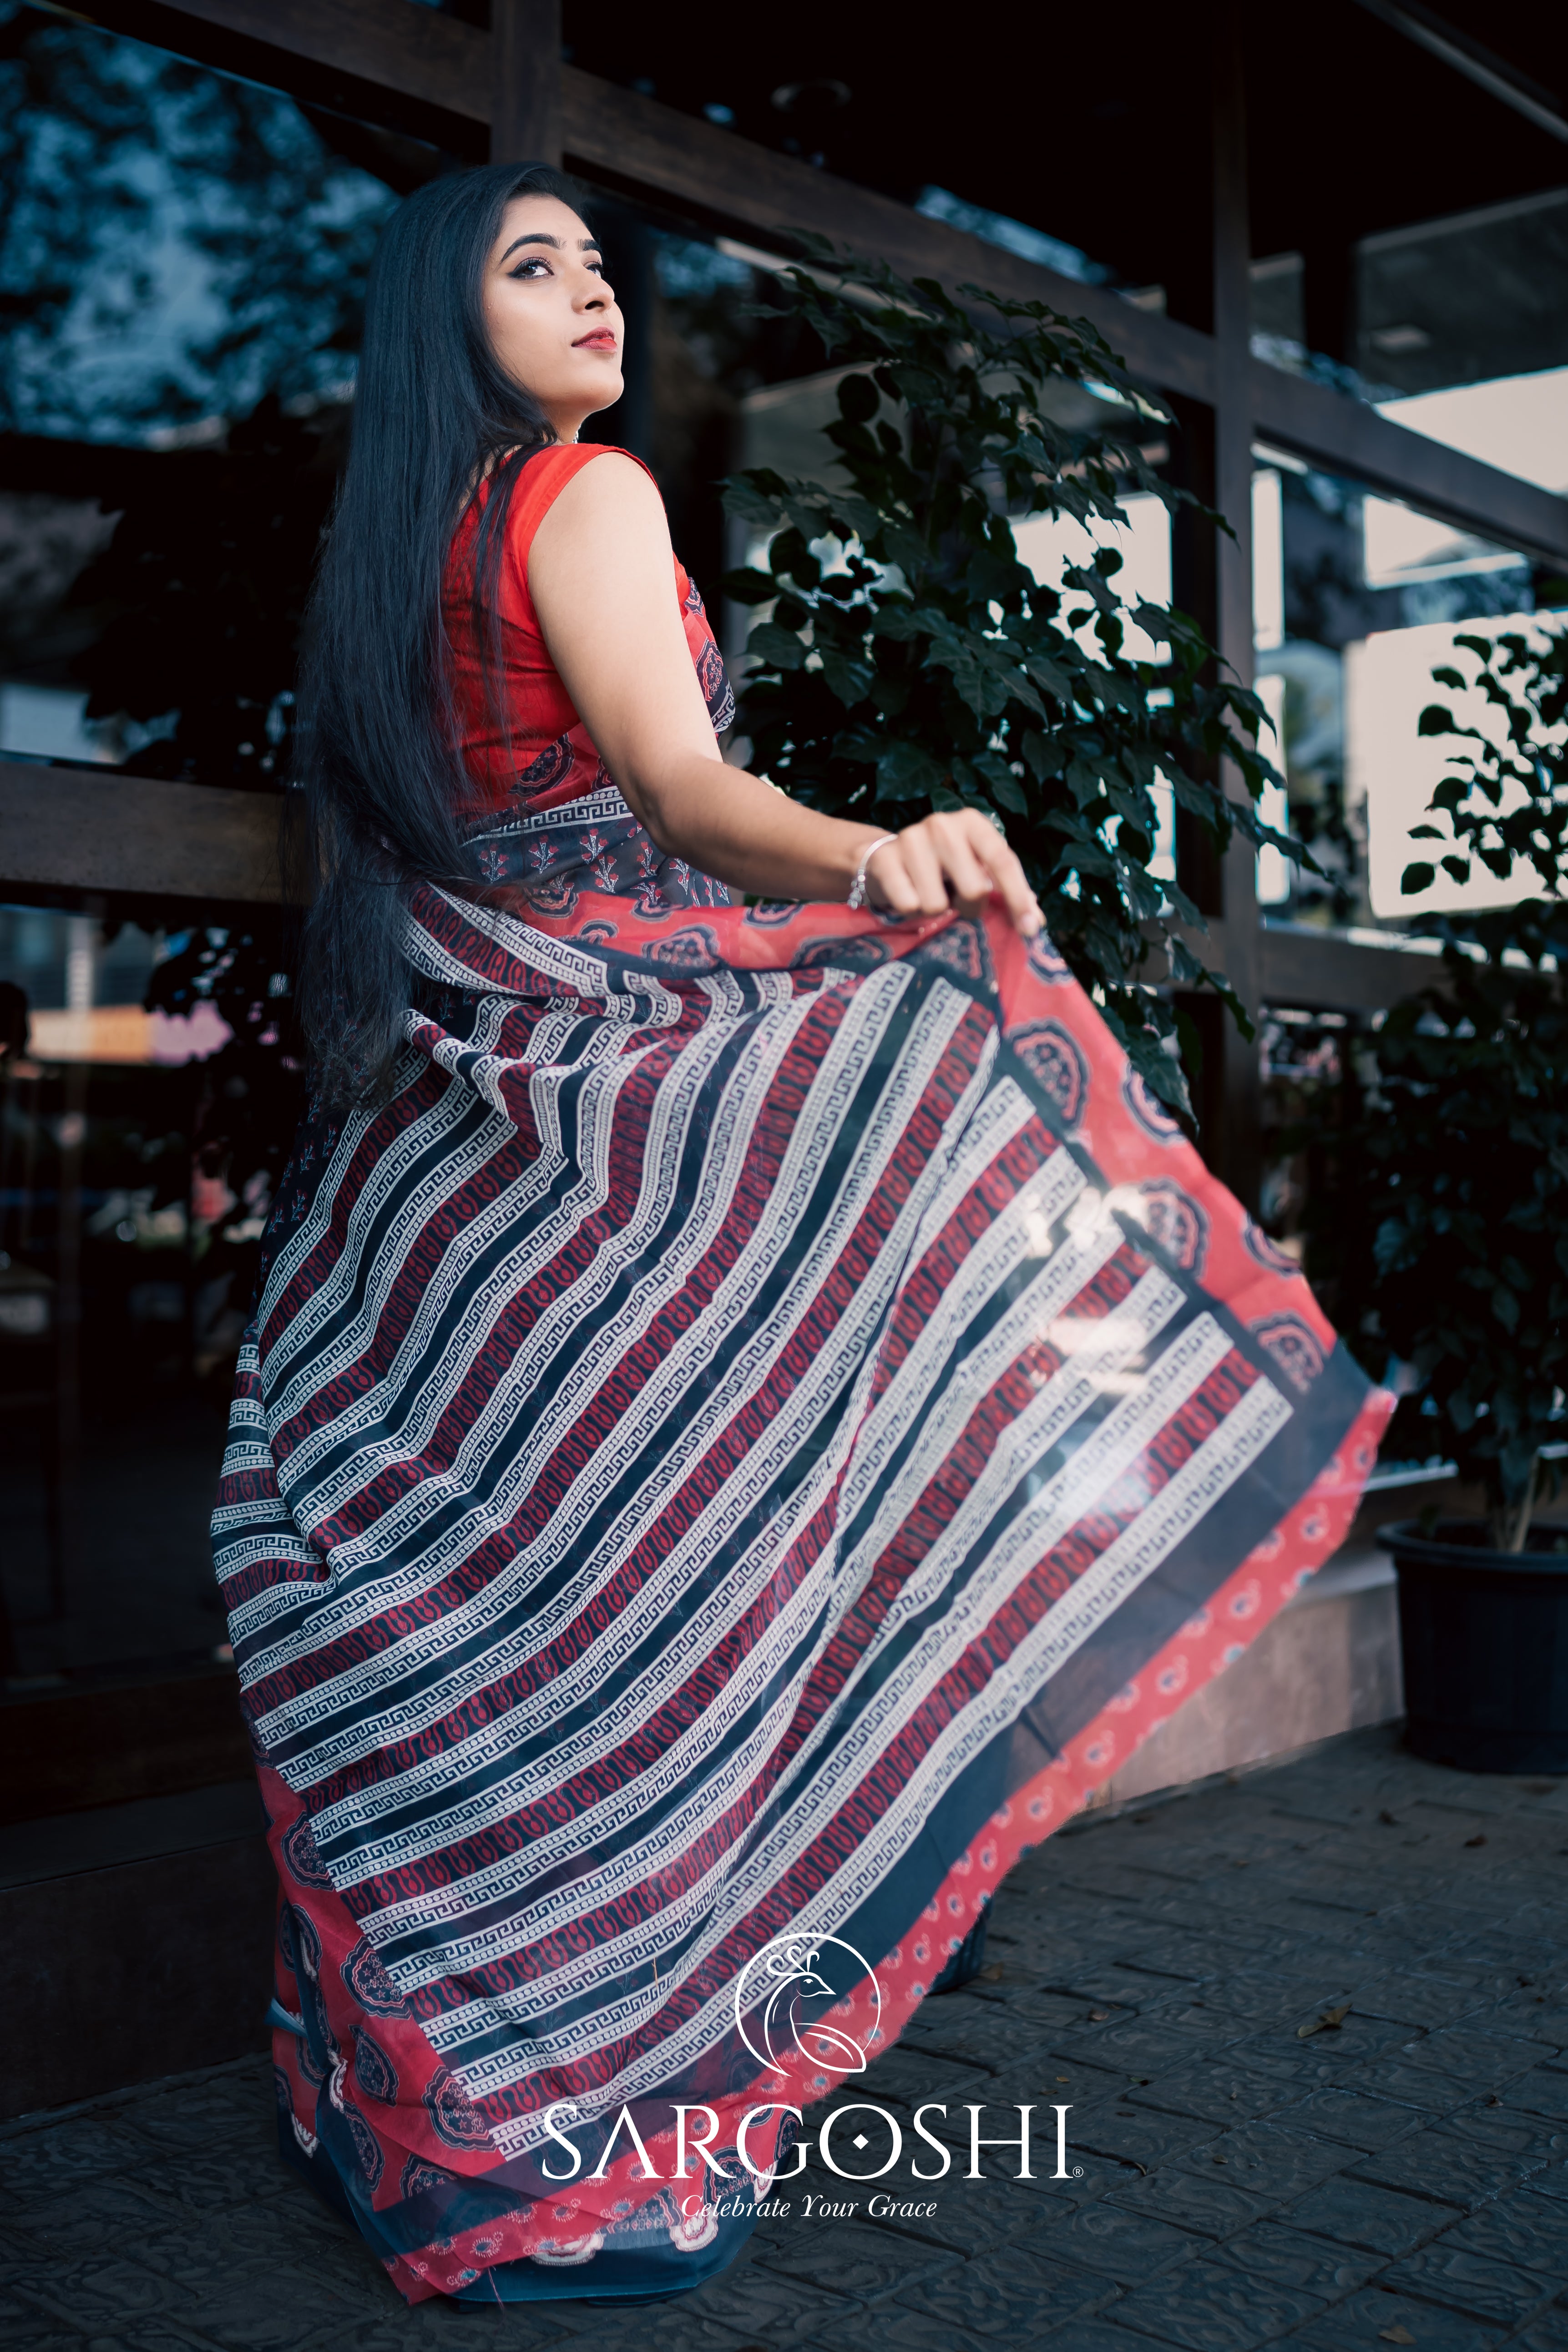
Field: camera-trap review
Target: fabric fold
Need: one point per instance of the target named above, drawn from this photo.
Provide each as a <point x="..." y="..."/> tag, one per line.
<point x="760" y="1426"/>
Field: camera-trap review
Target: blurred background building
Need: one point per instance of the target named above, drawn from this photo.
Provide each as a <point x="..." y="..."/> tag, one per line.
<point x="1334" y="234"/>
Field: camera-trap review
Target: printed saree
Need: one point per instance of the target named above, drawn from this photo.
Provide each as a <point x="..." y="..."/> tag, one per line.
<point x="760" y="1426"/>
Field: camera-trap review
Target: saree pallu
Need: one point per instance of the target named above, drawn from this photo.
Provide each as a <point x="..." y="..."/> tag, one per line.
<point x="757" y="1429"/>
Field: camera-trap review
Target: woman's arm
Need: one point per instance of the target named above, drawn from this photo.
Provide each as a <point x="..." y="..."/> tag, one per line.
<point x="601" y="576"/>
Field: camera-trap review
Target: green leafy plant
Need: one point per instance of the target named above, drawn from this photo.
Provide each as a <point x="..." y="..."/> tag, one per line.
<point x="907" y="660"/>
<point x="1506" y="795"/>
<point x="1449" y="1241"/>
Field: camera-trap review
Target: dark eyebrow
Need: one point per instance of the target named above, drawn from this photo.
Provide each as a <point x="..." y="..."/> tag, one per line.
<point x="542" y="237"/>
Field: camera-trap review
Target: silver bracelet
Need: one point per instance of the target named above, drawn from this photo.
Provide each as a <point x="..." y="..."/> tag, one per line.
<point x="858" y="888"/>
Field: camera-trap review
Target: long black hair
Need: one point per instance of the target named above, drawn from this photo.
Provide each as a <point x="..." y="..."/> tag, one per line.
<point x="378" y="776"/>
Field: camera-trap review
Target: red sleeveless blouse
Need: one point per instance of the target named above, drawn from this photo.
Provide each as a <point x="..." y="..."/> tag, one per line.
<point x="544" y="812"/>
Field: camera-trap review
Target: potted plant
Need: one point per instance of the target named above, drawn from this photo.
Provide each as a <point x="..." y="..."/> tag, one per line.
<point x="1449" y="1237"/>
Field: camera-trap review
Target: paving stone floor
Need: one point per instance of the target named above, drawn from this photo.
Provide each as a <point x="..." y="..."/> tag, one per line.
<point x="1398" y="2177"/>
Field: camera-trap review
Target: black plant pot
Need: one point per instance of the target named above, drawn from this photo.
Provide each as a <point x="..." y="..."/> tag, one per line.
<point x="1484" y="1638"/>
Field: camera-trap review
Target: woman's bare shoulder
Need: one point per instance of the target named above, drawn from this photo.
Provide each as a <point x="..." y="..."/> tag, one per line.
<point x="613" y="503"/>
<point x="613" y="480"/>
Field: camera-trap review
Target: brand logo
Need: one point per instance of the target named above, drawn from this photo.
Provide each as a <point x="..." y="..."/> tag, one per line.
<point x="782" y="1998"/>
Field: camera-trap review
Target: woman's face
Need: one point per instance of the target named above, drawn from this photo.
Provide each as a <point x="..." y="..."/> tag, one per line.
<point x="552" y="320"/>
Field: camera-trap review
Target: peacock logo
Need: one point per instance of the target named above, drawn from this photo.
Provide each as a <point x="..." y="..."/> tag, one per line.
<point x="782" y="1998"/>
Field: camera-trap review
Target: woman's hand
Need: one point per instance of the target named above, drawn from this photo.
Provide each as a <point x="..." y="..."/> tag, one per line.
<point x="955" y="859"/>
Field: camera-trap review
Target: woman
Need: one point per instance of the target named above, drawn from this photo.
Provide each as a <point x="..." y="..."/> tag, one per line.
<point x="752" y="1408"/>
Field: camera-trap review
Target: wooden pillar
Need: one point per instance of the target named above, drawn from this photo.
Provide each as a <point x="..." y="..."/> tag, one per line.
<point x="1235" y="1094"/>
<point x="525" y="97"/>
<point x="1212" y="581"/>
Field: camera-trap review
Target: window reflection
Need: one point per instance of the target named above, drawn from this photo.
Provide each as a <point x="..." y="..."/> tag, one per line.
<point x="143" y="1121"/>
<point x="178" y="244"/>
<point x="185" y="258"/>
<point x="1455" y="328"/>
<point x="1356" y="598"/>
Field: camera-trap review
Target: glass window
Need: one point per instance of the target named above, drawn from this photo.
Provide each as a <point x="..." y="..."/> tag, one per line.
<point x="1462" y="332"/>
<point x="1014" y="237"/>
<point x="1396" y="770"/>
<point x="184" y="261"/>
<point x="1458" y="329"/>
<point x="1356" y="599"/>
<point x="117" y="1325"/>
<point x="1305" y="1060"/>
<point x="183" y="258"/>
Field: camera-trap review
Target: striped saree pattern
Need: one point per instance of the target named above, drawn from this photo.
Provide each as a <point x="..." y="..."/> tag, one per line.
<point x="741" y="1446"/>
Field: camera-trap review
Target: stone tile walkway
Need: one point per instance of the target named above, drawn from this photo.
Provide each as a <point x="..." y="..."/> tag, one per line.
<point x="1311" y="2027"/>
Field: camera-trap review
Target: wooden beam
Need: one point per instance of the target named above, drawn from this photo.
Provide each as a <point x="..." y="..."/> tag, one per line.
<point x="83" y="829"/>
<point x="1301" y="967"/>
<point x="1346" y="436"/>
<point x="1320" y="973"/>
<point x="95" y="830"/>
<point x="525" y="81"/>
<point x="642" y="147"/>
<point x="66" y="1749"/>
<point x="385" y="43"/>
